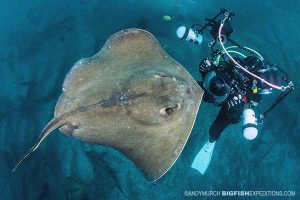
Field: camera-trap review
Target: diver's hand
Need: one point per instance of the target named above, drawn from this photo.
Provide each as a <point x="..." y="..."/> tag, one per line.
<point x="234" y="101"/>
<point x="205" y="65"/>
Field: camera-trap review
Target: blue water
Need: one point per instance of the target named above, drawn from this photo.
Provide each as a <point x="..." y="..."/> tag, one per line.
<point x="41" y="40"/>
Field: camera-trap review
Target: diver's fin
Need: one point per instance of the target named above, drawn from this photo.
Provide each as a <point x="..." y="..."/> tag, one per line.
<point x="202" y="159"/>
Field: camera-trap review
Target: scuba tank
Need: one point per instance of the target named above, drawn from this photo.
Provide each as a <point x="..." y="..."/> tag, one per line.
<point x="249" y="124"/>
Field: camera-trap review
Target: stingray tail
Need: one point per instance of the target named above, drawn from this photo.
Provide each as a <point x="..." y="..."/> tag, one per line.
<point x="51" y="126"/>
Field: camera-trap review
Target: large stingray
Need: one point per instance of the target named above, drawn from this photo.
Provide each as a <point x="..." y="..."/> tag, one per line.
<point x="131" y="96"/>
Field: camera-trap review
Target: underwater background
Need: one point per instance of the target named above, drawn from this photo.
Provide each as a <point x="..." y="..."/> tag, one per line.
<point x="40" y="40"/>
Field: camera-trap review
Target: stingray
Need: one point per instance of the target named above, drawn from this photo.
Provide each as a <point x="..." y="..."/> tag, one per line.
<point x="131" y="96"/>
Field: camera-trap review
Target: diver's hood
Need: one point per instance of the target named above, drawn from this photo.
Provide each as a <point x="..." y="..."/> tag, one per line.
<point x="208" y="81"/>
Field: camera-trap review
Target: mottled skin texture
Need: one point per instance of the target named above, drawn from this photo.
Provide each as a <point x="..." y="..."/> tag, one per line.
<point x="131" y="96"/>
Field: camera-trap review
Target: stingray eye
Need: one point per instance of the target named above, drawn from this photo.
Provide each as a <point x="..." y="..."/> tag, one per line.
<point x="166" y="112"/>
<point x="169" y="111"/>
<point x="160" y="74"/>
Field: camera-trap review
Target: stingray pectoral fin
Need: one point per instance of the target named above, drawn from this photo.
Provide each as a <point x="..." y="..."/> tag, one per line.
<point x="51" y="126"/>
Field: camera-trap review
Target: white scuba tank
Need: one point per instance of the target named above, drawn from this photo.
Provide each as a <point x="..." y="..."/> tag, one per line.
<point x="249" y="124"/>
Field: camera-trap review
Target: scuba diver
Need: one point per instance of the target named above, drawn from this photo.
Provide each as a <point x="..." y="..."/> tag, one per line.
<point x="237" y="83"/>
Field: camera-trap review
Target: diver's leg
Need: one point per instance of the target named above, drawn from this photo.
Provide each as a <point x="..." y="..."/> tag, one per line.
<point x="234" y="114"/>
<point x="220" y="123"/>
<point x="202" y="159"/>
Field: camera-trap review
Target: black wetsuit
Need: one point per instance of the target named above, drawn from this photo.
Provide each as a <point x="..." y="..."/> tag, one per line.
<point x="227" y="115"/>
<point x="231" y="108"/>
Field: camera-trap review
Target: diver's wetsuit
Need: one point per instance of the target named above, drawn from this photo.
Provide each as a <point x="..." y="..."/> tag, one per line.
<point x="227" y="115"/>
<point x="230" y="112"/>
<point x="238" y="94"/>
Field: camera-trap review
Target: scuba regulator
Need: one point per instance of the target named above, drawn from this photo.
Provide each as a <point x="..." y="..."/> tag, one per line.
<point x="247" y="73"/>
